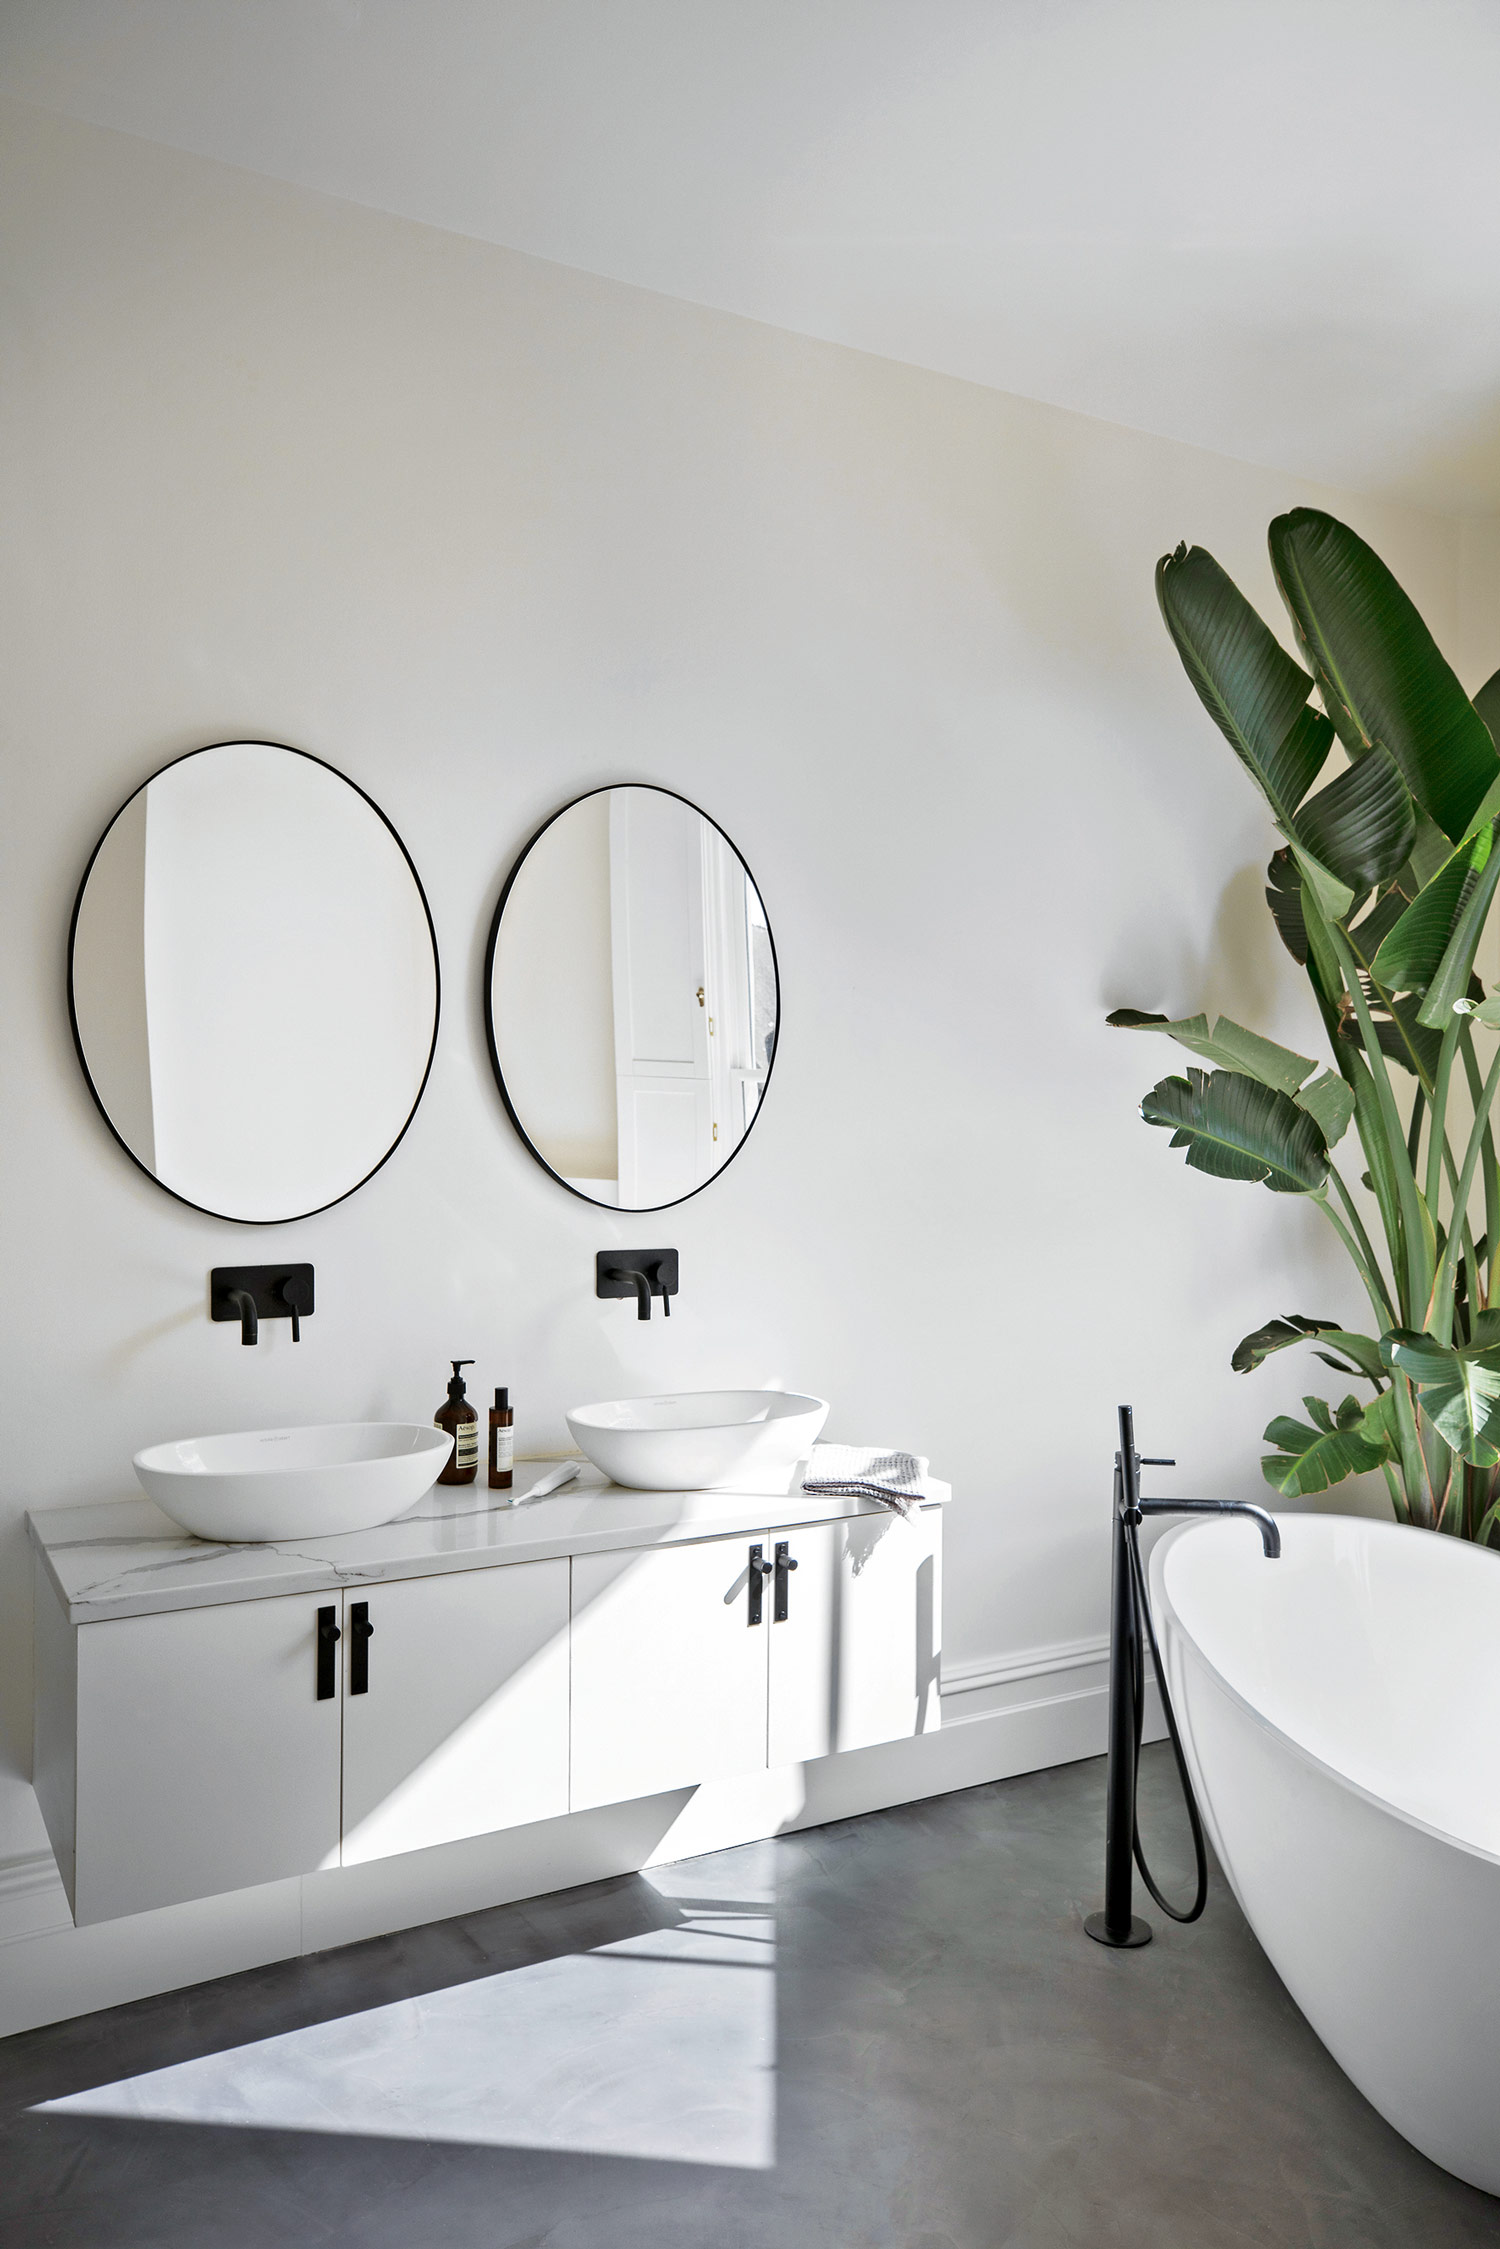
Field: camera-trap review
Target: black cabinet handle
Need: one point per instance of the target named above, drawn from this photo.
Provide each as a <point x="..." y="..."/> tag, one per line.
<point x="328" y="1640"/>
<point x="361" y="1633"/>
<point x="760" y="1570"/>
<point x="785" y="1564"/>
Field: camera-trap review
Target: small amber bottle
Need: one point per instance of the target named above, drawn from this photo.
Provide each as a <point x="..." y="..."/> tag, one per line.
<point x="461" y="1421"/>
<point x="502" y="1443"/>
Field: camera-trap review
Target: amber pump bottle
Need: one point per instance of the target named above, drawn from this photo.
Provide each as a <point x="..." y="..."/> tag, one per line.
<point x="502" y="1443"/>
<point x="461" y="1421"/>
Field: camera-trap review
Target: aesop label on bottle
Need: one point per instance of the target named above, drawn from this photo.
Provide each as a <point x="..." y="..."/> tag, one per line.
<point x="505" y="1450"/>
<point x="466" y="1439"/>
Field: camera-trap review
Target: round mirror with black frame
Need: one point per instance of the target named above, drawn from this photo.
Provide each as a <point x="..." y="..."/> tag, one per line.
<point x="631" y="997"/>
<point x="253" y="982"/>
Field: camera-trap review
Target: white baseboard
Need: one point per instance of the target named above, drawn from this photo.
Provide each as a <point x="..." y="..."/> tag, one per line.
<point x="1001" y="1682"/>
<point x="1016" y="1714"/>
<point x="32" y="1899"/>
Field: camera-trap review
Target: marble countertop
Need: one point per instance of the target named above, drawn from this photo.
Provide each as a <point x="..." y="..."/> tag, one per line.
<point x="126" y="1558"/>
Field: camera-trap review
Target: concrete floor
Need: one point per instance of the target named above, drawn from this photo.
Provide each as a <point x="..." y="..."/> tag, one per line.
<point x="887" y="2034"/>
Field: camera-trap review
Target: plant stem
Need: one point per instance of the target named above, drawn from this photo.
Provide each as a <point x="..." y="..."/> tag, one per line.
<point x="1399" y="1507"/>
<point x="1476" y="1298"/>
<point x="1414" y="1129"/>
<point x="1418" y="1271"/>
<point x="1440" y="1320"/>
<point x="1415" y="1475"/>
<point x="1474" y="1479"/>
<point x="1413" y="1460"/>
<point x="1491" y="1173"/>
<point x="1366" y="1262"/>
<point x="1437" y="1134"/>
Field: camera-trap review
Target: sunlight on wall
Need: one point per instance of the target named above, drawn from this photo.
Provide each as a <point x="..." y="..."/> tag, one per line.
<point x="661" y="2046"/>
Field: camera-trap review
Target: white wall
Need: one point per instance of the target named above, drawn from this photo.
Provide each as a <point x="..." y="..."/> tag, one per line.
<point x="484" y="533"/>
<point x="109" y="981"/>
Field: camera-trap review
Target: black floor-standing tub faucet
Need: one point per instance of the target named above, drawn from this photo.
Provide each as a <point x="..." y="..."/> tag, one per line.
<point x="1130" y="1632"/>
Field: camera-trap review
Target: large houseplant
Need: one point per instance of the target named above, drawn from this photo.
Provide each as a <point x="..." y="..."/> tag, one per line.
<point x="1380" y="890"/>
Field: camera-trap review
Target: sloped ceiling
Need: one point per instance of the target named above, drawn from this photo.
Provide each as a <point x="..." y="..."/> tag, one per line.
<point x="1270" y="227"/>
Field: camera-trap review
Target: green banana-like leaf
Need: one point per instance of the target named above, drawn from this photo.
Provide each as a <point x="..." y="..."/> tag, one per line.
<point x="1401" y="1038"/>
<point x="1486" y="1012"/>
<point x="1450" y="983"/>
<point x="1324" y="969"/>
<point x="1459" y="1385"/>
<point x="1229" y="1045"/>
<point x="1409" y="958"/>
<point x="1334" y="897"/>
<point x="1330" y="1099"/>
<point x="1428" y="853"/>
<point x="1339" y="1366"/>
<point x="1381" y="1425"/>
<point x="1323" y="1450"/>
<point x="1382" y="1178"/>
<point x="1487" y="703"/>
<point x="1279" y="1335"/>
<point x="1236" y="1128"/>
<point x="1370" y="932"/>
<point x="1363" y="824"/>
<point x="1255" y="693"/>
<point x="1487" y="809"/>
<point x="1284" y="897"/>
<point x="1381" y="675"/>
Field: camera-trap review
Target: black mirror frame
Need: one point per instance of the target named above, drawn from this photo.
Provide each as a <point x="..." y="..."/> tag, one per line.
<point x="607" y="789"/>
<point x="256" y="742"/>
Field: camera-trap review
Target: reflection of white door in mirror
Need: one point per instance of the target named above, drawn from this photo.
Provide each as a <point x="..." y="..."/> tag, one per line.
<point x="662" y="1008"/>
<point x="741" y="1009"/>
<point x="631" y="997"/>
<point x="254" y="981"/>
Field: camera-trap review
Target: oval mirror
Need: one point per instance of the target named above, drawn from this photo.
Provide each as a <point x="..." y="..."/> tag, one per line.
<point x="631" y="998"/>
<point x="253" y="982"/>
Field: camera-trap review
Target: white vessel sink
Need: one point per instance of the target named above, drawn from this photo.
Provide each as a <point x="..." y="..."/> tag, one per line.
<point x="698" y="1439"/>
<point x="294" y="1483"/>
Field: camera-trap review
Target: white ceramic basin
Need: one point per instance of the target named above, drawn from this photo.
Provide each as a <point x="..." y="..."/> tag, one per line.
<point x="294" y="1483"/>
<point x="698" y="1438"/>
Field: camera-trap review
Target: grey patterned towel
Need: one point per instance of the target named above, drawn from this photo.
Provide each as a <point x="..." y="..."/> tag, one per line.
<point x="896" y="1479"/>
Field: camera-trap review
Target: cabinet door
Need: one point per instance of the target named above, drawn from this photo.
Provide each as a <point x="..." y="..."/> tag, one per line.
<point x="206" y="1760"/>
<point x="463" y="1724"/>
<point x="855" y="1660"/>
<point x="669" y="1674"/>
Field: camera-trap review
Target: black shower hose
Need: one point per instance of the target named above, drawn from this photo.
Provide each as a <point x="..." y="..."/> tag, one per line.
<point x="1141" y="1607"/>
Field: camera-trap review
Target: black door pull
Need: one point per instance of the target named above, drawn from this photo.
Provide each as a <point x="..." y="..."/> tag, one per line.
<point x="328" y="1640"/>
<point x="785" y="1564"/>
<point x="760" y="1570"/>
<point x="361" y="1633"/>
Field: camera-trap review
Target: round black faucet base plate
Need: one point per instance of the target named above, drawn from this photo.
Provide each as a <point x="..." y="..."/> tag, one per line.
<point x="1098" y="1929"/>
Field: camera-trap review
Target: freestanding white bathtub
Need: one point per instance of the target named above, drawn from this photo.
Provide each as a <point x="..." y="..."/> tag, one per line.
<point x="1340" y="1709"/>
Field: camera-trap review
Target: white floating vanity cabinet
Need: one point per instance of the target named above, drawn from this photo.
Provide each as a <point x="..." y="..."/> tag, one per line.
<point x="208" y="1719"/>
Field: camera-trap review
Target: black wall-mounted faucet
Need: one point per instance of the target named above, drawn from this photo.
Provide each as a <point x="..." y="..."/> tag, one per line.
<point x="252" y="1293"/>
<point x="641" y="1273"/>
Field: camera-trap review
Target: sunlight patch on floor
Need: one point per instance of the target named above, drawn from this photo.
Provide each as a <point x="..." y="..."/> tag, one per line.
<point x="661" y="2046"/>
